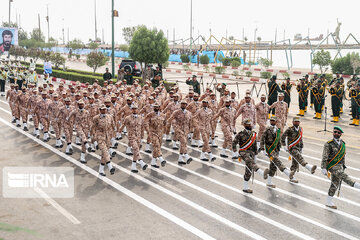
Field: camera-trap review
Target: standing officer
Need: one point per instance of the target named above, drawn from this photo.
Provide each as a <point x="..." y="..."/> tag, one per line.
<point x="274" y="89"/>
<point x="337" y="93"/>
<point x="286" y="87"/>
<point x="302" y="88"/>
<point x="194" y="82"/>
<point x="262" y="109"/>
<point x="246" y="139"/>
<point x="281" y="112"/>
<point x="333" y="162"/>
<point x="318" y="92"/>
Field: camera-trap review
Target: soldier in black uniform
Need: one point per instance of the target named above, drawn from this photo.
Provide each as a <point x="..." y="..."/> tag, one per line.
<point x="302" y="88"/>
<point x="286" y="87"/>
<point x="337" y="93"/>
<point x="274" y="89"/>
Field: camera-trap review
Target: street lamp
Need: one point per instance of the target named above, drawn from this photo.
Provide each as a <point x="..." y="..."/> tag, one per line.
<point x="10" y="1"/>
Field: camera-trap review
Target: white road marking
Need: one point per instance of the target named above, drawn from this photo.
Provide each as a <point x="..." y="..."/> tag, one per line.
<point x="53" y="203"/>
<point x="301" y="217"/>
<point x="117" y="186"/>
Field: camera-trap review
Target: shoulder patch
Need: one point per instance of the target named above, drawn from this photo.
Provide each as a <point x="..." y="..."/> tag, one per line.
<point x="330" y="141"/>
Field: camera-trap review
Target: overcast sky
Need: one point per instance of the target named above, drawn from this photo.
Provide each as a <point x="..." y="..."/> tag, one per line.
<point x="221" y="16"/>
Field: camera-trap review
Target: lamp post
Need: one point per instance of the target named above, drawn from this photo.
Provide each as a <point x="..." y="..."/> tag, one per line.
<point x="10" y="1"/>
<point x="190" y="25"/>
<point x="112" y="40"/>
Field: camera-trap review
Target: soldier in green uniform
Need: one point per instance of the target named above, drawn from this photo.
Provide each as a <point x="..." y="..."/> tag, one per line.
<point x="286" y="87"/>
<point x="308" y="84"/>
<point x="333" y="164"/>
<point x="302" y="88"/>
<point x="337" y="93"/>
<point x="318" y="90"/>
<point x="194" y="82"/>
<point x="270" y="141"/>
<point x="274" y="89"/>
<point x="355" y="104"/>
<point x="128" y="77"/>
<point x="221" y="89"/>
<point x="293" y="143"/>
<point x="246" y="139"/>
<point x="312" y="98"/>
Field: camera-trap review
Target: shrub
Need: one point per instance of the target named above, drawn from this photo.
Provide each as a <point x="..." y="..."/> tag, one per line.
<point x="204" y="59"/>
<point x="207" y="68"/>
<point x="343" y="65"/>
<point x="266" y="75"/>
<point x="78" y="56"/>
<point x="235" y="73"/>
<point x="265" y="62"/>
<point x="95" y="60"/>
<point x="235" y="63"/>
<point x="219" y="70"/>
<point x="248" y="73"/>
<point x="184" y="58"/>
<point x="166" y="64"/>
<point x="226" y="61"/>
<point x="186" y="67"/>
<point x="124" y="47"/>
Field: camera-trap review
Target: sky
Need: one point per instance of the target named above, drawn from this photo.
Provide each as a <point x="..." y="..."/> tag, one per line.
<point x="225" y="16"/>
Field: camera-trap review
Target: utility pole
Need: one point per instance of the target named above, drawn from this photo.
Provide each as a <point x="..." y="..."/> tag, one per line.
<point x="39" y="25"/>
<point x="48" y="21"/>
<point x="190" y="25"/>
<point x="10" y="10"/>
<point x="68" y="34"/>
<point x="17" y="23"/>
<point x="63" y="31"/>
<point x="112" y="40"/>
<point x="103" y="36"/>
<point x="275" y="34"/>
<point x="95" y="21"/>
<point x="173" y="37"/>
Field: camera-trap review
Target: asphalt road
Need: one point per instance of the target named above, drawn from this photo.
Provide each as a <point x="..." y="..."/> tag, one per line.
<point x="199" y="200"/>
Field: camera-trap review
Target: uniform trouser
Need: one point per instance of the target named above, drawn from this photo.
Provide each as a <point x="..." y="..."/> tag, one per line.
<point x="12" y="80"/>
<point x="2" y="86"/>
<point x="301" y="104"/>
<point x="205" y="134"/>
<point x="306" y="99"/>
<point x="23" y="114"/>
<point x="355" y="110"/>
<point x="318" y="106"/>
<point x="226" y="129"/>
<point x="57" y="128"/>
<point x="35" y="118"/>
<point x="338" y="174"/>
<point x="68" y="130"/>
<point x="16" y="111"/>
<point x="275" y="163"/>
<point x="134" y="143"/>
<point x="104" y="148"/>
<point x="45" y="122"/>
<point x="296" y="159"/>
<point x="312" y="98"/>
<point x="182" y="136"/>
<point x="82" y="133"/>
<point x="250" y="164"/>
<point x="156" y="140"/>
<point x="262" y="128"/>
<point x="196" y="131"/>
<point x="213" y="124"/>
<point x="335" y="106"/>
<point x="146" y="128"/>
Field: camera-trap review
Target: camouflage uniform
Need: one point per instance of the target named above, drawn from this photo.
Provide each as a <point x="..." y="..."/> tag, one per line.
<point x="156" y="123"/>
<point x="182" y="119"/>
<point x="262" y="110"/>
<point x="204" y="116"/>
<point x="248" y="111"/>
<point x="337" y="171"/>
<point x="268" y="139"/>
<point x="23" y="101"/>
<point x="281" y="113"/>
<point x="67" y="123"/>
<point x="102" y="126"/>
<point x="226" y="118"/>
<point x="81" y="120"/>
<point x="54" y="109"/>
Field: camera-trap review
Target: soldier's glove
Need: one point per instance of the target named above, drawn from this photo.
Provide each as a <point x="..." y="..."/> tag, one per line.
<point x="324" y="171"/>
<point x="260" y="149"/>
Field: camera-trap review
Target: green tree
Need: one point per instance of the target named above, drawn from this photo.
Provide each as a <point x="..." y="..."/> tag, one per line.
<point x="355" y="62"/>
<point x="124" y="47"/>
<point x="57" y="60"/>
<point x="93" y="45"/>
<point x="23" y="35"/>
<point x="45" y="56"/>
<point x="75" y="44"/>
<point x="204" y="59"/>
<point x="16" y="51"/>
<point x="322" y="59"/>
<point x="34" y="53"/>
<point x="184" y="58"/>
<point x="37" y="35"/>
<point x="128" y="32"/>
<point x="149" y="46"/>
<point x="343" y="65"/>
<point x="265" y="62"/>
<point x="11" y="24"/>
<point x="95" y="60"/>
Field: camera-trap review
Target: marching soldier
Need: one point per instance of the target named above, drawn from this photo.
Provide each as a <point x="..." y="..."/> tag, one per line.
<point x="247" y="110"/>
<point x="270" y="142"/>
<point x="337" y="93"/>
<point x="67" y="124"/>
<point x="227" y="116"/>
<point x="42" y="109"/>
<point x="156" y="122"/>
<point x="134" y="123"/>
<point x="103" y="124"/>
<point x="23" y="101"/>
<point x="292" y="142"/>
<point x="182" y="119"/>
<point x="281" y="112"/>
<point x="312" y="83"/>
<point x="246" y="139"/>
<point x="54" y="109"/>
<point x="213" y="105"/>
<point x="204" y="116"/>
<point x="333" y="164"/>
<point x="262" y="109"/>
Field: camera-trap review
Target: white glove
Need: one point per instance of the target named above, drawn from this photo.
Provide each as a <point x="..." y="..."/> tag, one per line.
<point x="285" y="149"/>
<point x="324" y="171"/>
